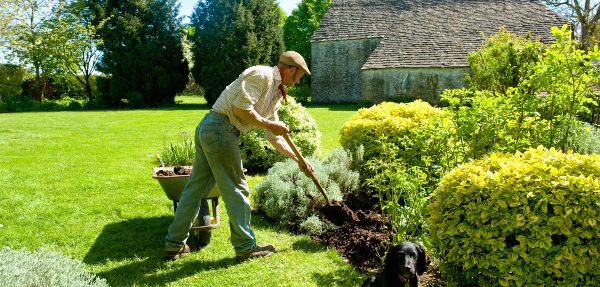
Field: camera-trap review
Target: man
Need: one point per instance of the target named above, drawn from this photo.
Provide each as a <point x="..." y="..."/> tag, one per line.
<point x="251" y="101"/>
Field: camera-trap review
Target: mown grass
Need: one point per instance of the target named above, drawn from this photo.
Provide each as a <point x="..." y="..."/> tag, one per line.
<point x="79" y="183"/>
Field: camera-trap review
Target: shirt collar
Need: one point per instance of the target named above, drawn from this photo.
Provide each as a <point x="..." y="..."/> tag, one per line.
<point x="276" y="74"/>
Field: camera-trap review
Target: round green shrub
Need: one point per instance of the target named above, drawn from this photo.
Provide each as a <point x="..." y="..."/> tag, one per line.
<point x="385" y="123"/>
<point x="527" y="219"/>
<point x="259" y="155"/>
<point x="289" y="197"/>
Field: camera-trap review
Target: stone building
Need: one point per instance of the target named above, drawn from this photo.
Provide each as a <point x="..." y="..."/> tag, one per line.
<point x="378" y="50"/>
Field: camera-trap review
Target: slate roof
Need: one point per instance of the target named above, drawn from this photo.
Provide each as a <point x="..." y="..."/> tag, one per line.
<point x="431" y="33"/>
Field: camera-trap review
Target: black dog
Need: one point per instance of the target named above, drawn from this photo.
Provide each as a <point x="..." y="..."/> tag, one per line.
<point x="402" y="264"/>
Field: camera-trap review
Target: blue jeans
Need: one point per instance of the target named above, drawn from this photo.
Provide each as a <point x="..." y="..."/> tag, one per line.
<point x="217" y="161"/>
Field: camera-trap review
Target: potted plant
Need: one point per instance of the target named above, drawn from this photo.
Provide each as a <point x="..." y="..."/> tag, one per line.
<point x="175" y="160"/>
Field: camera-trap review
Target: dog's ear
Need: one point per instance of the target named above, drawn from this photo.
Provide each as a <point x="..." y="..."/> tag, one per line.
<point x="390" y="256"/>
<point x="422" y="260"/>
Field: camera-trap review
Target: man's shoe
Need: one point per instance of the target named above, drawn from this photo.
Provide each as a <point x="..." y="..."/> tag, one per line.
<point x="176" y="254"/>
<point x="258" y="251"/>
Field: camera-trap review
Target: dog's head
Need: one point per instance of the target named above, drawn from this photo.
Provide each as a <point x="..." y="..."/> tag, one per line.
<point x="404" y="261"/>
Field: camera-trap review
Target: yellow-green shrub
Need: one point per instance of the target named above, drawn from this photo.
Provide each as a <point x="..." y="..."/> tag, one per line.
<point x="529" y="219"/>
<point x="391" y="122"/>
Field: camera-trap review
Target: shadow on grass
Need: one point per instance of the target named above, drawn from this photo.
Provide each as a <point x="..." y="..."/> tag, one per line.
<point x="143" y="273"/>
<point x="134" y="238"/>
<point x="345" y="276"/>
<point x="139" y="244"/>
<point x="308" y="246"/>
<point x="141" y="238"/>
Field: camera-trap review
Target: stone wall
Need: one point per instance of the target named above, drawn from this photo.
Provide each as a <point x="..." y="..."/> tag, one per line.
<point x="410" y="83"/>
<point x="336" y="69"/>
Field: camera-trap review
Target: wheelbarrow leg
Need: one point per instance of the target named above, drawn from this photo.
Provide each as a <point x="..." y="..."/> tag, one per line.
<point x="200" y="238"/>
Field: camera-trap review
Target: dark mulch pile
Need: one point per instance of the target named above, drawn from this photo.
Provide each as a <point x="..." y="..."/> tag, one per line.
<point x="363" y="238"/>
<point x="362" y="243"/>
<point x="177" y="170"/>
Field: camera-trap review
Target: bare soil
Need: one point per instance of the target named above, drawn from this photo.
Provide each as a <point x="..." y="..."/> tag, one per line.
<point x="177" y="170"/>
<point x="362" y="237"/>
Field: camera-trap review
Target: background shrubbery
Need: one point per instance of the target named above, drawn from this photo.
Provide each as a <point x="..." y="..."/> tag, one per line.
<point x="259" y="155"/>
<point x="12" y="77"/>
<point x="543" y="108"/>
<point x="524" y="219"/>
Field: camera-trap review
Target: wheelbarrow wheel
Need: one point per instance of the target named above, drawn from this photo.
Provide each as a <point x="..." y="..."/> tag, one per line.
<point x="199" y="239"/>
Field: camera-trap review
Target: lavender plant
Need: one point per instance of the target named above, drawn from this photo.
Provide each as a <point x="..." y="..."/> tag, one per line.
<point x="44" y="268"/>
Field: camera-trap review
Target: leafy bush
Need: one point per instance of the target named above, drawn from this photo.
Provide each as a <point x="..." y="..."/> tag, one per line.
<point x="259" y="155"/>
<point x="301" y="93"/>
<point x="402" y="194"/>
<point x="291" y="198"/>
<point x="24" y="103"/>
<point x="69" y="86"/>
<point x="504" y="61"/>
<point x="12" y="78"/>
<point x="314" y="226"/>
<point x="541" y="109"/>
<point x="385" y="123"/>
<point x="43" y="268"/>
<point x="525" y="219"/>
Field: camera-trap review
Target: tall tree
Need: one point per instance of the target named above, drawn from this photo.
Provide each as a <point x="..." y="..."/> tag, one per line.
<point x="302" y="24"/>
<point x="231" y="36"/>
<point x="142" y="50"/>
<point x="583" y="13"/>
<point x="26" y="34"/>
<point x="74" y="43"/>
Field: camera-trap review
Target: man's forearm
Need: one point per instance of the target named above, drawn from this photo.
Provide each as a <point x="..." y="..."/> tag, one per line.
<point x="251" y="117"/>
<point x="280" y="145"/>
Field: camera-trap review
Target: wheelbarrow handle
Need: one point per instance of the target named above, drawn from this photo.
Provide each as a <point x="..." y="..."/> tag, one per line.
<point x="302" y="162"/>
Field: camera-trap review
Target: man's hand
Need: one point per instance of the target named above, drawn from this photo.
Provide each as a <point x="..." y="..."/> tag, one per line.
<point x="305" y="167"/>
<point x="278" y="127"/>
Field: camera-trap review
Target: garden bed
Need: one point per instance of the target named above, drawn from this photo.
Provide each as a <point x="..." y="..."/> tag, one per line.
<point x="362" y="243"/>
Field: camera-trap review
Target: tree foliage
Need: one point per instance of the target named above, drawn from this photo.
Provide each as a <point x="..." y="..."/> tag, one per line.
<point x="73" y="43"/>
<point x="302" y="24"/>
<point x="542" y="109"/>
<point x="11" y="77"/>
<point x="583" y="13"/>
<point x="230" y="36"/>
<point x="26" y="35"/>
<point x="142" y="50"/>
<point x="503" y="62"/>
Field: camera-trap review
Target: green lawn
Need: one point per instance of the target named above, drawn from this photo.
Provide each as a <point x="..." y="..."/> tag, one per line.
<point x="80" y="183"/>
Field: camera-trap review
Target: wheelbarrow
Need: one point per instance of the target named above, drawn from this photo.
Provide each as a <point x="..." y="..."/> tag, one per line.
<point x="173" y="186"/>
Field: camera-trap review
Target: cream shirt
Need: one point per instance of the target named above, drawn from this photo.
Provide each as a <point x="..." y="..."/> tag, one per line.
<point x="256" y="88"/>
